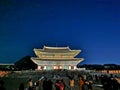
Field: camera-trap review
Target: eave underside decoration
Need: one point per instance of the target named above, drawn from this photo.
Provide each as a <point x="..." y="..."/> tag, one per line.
<point x="56" y="62"/>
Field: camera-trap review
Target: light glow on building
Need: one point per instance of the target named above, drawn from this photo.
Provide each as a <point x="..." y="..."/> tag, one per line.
<point x="56" y="58"/>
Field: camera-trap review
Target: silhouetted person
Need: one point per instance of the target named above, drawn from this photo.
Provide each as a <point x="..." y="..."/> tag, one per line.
<point x="38" y="85"/>
<point x="45" y="84"/>
<point x="50" y="83"/>
<point x="115" y="84"/>
<point x="85" y="85"/>
<point x="96" y="78"/>
<point x="2" y="85"/>
<point x="21" y="87"/>
<point x="90" y="85"/>
<point x="107" y="83"/>
<point x="63" y="83"/>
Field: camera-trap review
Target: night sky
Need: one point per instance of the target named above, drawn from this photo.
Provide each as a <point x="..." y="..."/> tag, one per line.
<point x="90" y="25"/>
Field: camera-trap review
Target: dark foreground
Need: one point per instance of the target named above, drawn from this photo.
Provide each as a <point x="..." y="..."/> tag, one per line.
<point x="13" y="80"/>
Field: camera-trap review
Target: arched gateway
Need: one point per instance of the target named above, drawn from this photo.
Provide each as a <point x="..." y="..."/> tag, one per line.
<point x="50" y="58"/>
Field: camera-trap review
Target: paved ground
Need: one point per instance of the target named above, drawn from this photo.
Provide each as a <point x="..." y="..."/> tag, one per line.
<point x="95" y="87"/>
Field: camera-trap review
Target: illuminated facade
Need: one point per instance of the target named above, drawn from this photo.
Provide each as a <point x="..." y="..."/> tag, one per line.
<point x="50" y="58"/>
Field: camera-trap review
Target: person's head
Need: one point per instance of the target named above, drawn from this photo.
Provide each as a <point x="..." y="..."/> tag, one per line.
<point x="30" y="79"/>
<point x="60" y="81"/>
<point x="80" y="78"/>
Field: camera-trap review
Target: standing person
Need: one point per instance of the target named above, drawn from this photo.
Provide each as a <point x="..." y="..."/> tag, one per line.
<point x="38" y="85"/>
<point x="50" y="84"/>
<point x="115" y="84"/>
<point x="21" y="87"/>
<point x="45" y="84"/>
<point x="85" y="85"/>
<point x="63" y="84"/>
<point x="56" y="86"/>
<point x="72" y="84"/>
<point x="60" y="85"/>
<point x="2" y="85"/>
<point x="30" y="84"/>
<point x="81" y="83"/>
<point x="89" y="85"/>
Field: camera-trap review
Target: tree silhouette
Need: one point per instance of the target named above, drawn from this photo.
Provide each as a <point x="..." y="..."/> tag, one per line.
<point x="25" y="64"/>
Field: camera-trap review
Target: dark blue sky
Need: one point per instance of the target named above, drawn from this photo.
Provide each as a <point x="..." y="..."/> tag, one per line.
<point x="90" y="25"/>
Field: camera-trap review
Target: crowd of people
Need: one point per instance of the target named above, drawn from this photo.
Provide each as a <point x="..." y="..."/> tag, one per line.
<point x="58" y="84"/>
<point x="69" y="81"/>
<point x="110" y="82"/>
<point x="84" y="82"/>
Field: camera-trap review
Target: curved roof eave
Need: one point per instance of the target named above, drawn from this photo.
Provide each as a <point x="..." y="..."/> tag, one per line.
<point x="47" y="47"/>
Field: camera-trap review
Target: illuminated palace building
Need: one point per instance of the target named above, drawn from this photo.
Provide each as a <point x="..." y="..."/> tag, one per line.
<point x="50" y="58"/>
